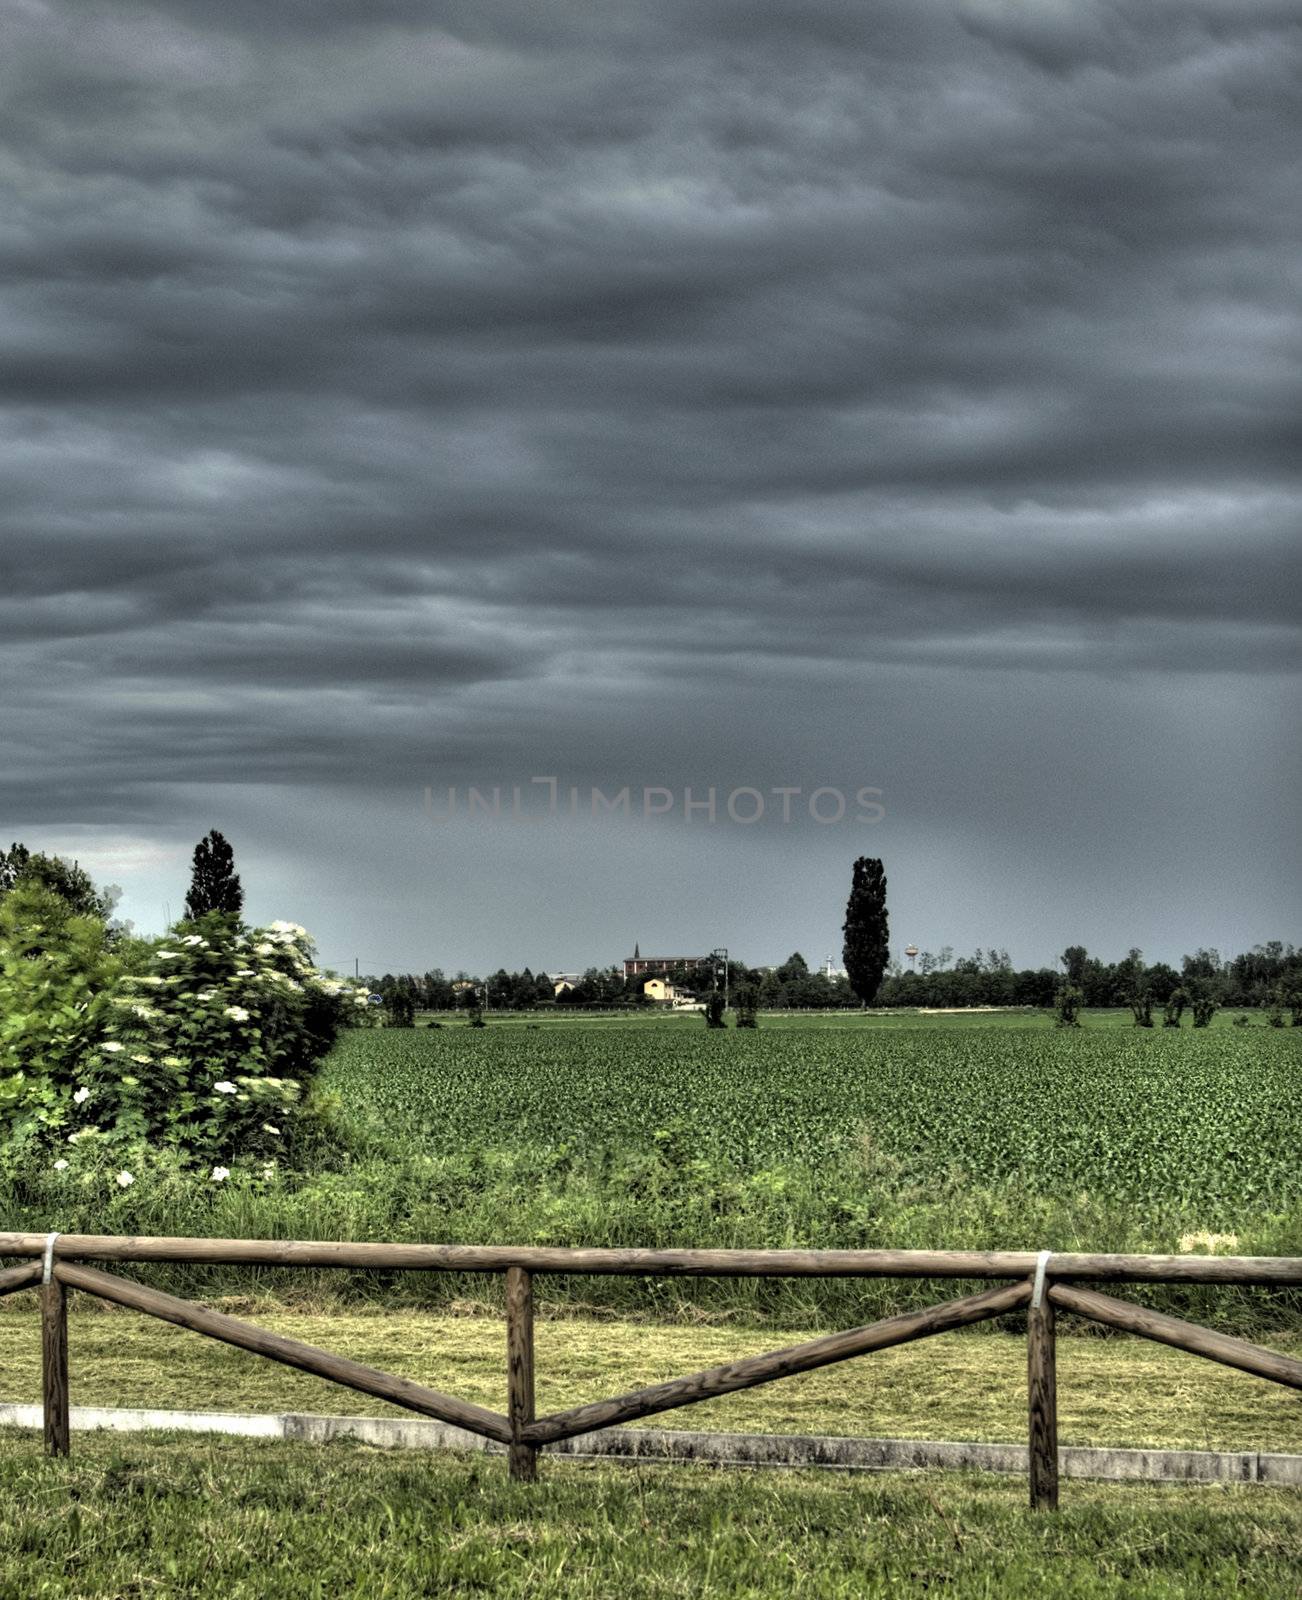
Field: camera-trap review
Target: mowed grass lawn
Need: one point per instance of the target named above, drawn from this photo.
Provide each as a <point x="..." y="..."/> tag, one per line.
<point x="965" y="1386"/>
<point x="261" y="1521"/>
<point x="136" y="1516"/>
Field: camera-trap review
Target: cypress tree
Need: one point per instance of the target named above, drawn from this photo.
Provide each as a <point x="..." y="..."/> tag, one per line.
<point x="214" y="884"/>
<point x="866" y="951"/>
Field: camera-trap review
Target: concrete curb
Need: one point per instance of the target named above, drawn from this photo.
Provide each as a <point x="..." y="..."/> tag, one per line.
<point x="717" y="1449"/>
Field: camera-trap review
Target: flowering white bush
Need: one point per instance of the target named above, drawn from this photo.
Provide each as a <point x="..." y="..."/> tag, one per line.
<point x="208" y="1050"/>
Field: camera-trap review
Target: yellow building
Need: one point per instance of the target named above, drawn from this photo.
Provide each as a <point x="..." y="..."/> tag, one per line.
<point x="659" y="989"/>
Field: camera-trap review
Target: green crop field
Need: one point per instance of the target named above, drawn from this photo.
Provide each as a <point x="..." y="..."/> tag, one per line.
<point x="1206" y="1125"/>
<point x="919" y="1136"/>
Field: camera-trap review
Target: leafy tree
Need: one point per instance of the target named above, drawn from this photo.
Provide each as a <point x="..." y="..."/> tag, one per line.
<point x="746" y="1000"/>
<point x="695" y="981"/>
<point x="214" y="884"/>
<point x="1068" y="1002"/>
<point x="1134" y="980"/>
<point x="1173" y="1010"/>
<point x="1204" y="1006"/>
<point x="1141" y="1008"/>
<point x="70" y="882"/>
<point x="56" y="969"/>
<point x="1162" y="980"/>
<point x="1074" y="959"/>
<point x="714" y="1011"/>
<point x="1271" y="971"/>
<point x="866" y="949"/>
<point x="400" y="1007"/>
<point x="439" y="995"/>
<point x="499" y="990"/>
<point x="12" y="862"/>
<point x="1202" y="964"/>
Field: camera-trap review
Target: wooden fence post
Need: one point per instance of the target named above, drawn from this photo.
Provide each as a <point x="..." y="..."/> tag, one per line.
<point x="519" y="1372"/>
<point x="1042" y="1395"/>
<point x="54" y="1367"/>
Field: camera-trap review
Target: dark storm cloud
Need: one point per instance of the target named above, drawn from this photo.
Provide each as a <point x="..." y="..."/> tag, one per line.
<point x="381" y="379"/>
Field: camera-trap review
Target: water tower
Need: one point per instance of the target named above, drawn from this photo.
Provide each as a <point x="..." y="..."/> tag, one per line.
<point x="911" y="950"/>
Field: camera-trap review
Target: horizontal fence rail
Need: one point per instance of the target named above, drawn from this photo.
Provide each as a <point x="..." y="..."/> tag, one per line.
<point x="1261" y="1271"/>
<point x="1037" y="1283"/>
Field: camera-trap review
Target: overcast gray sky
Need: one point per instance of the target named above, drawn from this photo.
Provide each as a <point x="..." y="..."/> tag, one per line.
<point x="821" y="394"/>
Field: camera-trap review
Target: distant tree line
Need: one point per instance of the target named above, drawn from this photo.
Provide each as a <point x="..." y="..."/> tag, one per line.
<point x="1268" y="976"/>
<point x="436" y="991"/>
<point x="510" y="991"/>
<point x="790" y="986"/>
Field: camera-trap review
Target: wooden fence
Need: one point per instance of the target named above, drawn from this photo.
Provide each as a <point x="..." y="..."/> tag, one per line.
<point x="1038" y="1285"/>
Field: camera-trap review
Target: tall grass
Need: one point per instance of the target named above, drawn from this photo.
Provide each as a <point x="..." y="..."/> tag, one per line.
<point x="613" y="1196"/>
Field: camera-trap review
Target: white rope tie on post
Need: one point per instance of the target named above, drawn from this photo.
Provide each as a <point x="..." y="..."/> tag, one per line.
<point x="1041" y="1267"/>
<point x="47" y="1268"/>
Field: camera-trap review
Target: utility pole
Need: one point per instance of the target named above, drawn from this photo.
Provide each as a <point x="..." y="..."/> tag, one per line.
<point x="721" y="954"/>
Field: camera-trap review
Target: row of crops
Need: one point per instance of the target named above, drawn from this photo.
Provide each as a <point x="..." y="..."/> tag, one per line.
<point x="1207" y="1126"/>
<point x="910" y="1138"/>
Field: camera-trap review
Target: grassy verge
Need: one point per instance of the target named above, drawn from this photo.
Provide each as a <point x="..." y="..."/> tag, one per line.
<point x="522" y="1197"/>
<point x="1001" y="1017"/>
<point x="959" y="1386"/>
<point x="245" y="1520"/>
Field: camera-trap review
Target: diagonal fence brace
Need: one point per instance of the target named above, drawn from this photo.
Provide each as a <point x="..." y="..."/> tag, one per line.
<point x="14" y="1278"/>
<point x="289" y="1352"/>
<point x="755" y="1370"/>
<point x="1181" y="1335"/>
